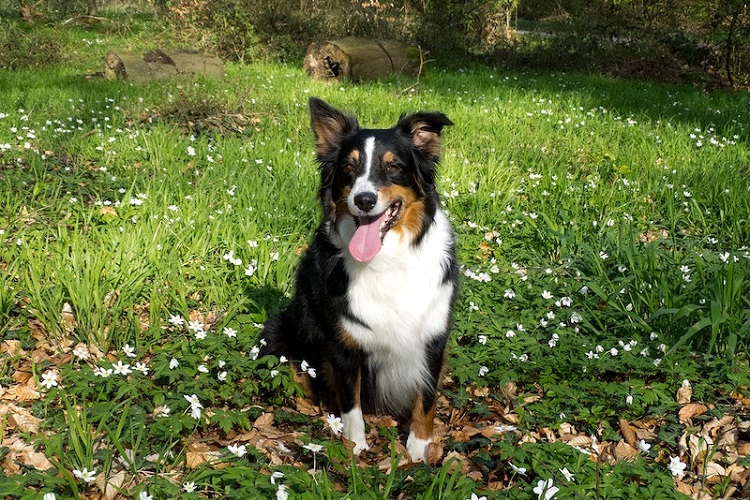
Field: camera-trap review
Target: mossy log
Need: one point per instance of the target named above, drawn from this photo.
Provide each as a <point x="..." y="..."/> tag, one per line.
<point x="359" y="59"/>
<point x="158" y="64"/>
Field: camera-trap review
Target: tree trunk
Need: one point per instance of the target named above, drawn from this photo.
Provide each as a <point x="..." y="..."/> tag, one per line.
<point x="360" y="59"/>
<point x="158" y="64"/>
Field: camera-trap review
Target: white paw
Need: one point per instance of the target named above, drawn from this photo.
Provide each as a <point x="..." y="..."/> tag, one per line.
<point x="418" y="448"/>
<point x="360" y="447"/>
<point x="354" y="429"/>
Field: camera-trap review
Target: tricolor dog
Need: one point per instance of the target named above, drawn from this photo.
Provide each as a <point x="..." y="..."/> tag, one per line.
<point x="376" y="288"/>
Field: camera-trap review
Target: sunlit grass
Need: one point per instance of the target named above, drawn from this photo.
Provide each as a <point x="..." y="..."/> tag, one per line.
<point x="602" y="231"/>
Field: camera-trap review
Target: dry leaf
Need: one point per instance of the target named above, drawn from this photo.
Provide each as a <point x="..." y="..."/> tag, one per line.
<point x="68" y="317"/>
<point x="684" y="395"/>
<point x="691" y="410"/>
<point x="12" y="347"/>
<point x="264" y="420"/>
<point x="114" y="485"/>
<point x="628" y="433"/>
<point x="199" y="454"/>
<point x="623" y="451"/>
<point x="106" y="210"/>
<point x="20" y="419"/>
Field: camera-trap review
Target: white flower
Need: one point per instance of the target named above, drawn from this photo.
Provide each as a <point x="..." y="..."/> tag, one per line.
<point x="312" y="372"/>
<point x="176" y="320"/>
<point x="188" y="487"/>
<point x="81" y="352"/>
<point x="629" y="399"/>
<point x="510" y="334"/>
<point x="49" y="496"/>
<point x="143" y="495"/>
<point x="202" y="369"/>
<point x="162" y="411"/>
<point x="102" y="372"/>
<point x="190" y="152"/>
<point x="85" y="475"/>
<point x="482" y="339"/>
<point x="483" y="371"/>
<point x="129" y="351"/>
<point x="141" y="367"/>
<point x="222" y="376"/>
<point x="196" y="326"/>
<point x="230" y="332"/>
<point x="49" y="379"/>
<point x="281" y="493"/>
<point x="603" y="255"/>
<point x="475" y="497"/>
<point x="545" y="489"/>
<point x="676" y="466"/>
<point x="173" y="363"/>
<point x="237" y="450"/>
<point x="275" y="476"/>
<point x="546" y="295"/>
<point x="313" y="447"/>
<point x="643" y="445"/>
<point x="121" y="368"/>
<point x="569" y="476"/>
<point x="509" y="294"/>
<point x="335" y="424"/>
<point x="517" y="470"/>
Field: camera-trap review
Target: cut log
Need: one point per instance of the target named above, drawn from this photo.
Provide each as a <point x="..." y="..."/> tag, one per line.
<point x="359" y="59"/>
<point x="158" y="64"/>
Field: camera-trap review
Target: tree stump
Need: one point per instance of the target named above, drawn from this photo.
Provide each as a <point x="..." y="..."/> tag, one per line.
<point x="360" y="59"/>
<point x="158" y="64"/>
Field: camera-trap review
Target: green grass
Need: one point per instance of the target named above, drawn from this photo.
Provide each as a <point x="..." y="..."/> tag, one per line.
<point x="602" y="231"/>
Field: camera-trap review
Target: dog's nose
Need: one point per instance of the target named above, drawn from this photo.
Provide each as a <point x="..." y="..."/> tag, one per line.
<point x="365" y="201"/>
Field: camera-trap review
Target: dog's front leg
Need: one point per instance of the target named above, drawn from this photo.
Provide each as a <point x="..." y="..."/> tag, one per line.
<point x="420" y="430"/>
<point x="351" y="407"/>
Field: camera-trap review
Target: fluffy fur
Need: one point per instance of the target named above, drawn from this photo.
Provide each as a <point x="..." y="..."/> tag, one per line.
<point x="376" y="288"/>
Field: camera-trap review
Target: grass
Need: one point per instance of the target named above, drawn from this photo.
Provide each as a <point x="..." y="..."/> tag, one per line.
<point x="146" y="232"/>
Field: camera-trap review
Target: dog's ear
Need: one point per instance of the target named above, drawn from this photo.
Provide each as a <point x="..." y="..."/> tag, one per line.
<point x="329" y="125"/>
<point x="424" y="130"/>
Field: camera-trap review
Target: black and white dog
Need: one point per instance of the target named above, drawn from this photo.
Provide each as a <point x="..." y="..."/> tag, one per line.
<point x="375" y="289"/>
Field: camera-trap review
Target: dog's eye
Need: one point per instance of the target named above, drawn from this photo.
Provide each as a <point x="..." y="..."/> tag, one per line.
<point x="349" y="167"/>
<point x="392" y="168"/>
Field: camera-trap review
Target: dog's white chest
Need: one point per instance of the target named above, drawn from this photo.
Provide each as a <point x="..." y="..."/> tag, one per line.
<point x="399" y="302"/>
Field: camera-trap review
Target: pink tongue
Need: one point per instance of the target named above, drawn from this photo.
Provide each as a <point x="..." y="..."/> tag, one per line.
<point x="365" y="243"/>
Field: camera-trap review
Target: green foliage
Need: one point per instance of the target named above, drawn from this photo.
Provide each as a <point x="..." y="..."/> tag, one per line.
<point x="601" y="229"/>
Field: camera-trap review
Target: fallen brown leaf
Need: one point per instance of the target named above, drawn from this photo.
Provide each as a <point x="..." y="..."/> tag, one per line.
<point x="691" y="410"/>
<point x="624" y="451"/>
<point x="628" y="433"/>
<point x="684" y="395"/>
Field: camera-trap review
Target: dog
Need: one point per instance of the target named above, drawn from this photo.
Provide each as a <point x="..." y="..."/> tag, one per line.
<point x="375" y="290"/>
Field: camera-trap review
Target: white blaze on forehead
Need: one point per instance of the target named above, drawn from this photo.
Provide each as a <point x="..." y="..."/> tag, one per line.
<point x="363" y="183"/>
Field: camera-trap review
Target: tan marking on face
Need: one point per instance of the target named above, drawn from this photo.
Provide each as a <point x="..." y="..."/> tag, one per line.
<point x="388" y="158"/>
<point x="354" y="157"/>
<point x="410" y="218"/>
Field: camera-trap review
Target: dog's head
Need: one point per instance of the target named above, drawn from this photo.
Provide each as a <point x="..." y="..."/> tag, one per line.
<point x="377" y="182"/>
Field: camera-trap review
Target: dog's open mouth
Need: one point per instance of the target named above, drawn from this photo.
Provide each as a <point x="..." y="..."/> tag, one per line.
<point x="368" y="238"/>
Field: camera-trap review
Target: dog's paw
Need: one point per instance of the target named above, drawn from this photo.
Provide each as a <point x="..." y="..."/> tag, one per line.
<point x="418" y="448"/>
<point x="360" y="447"/>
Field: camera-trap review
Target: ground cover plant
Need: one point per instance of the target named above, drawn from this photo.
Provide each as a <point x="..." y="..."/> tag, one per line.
<point x="146" y="232"/>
